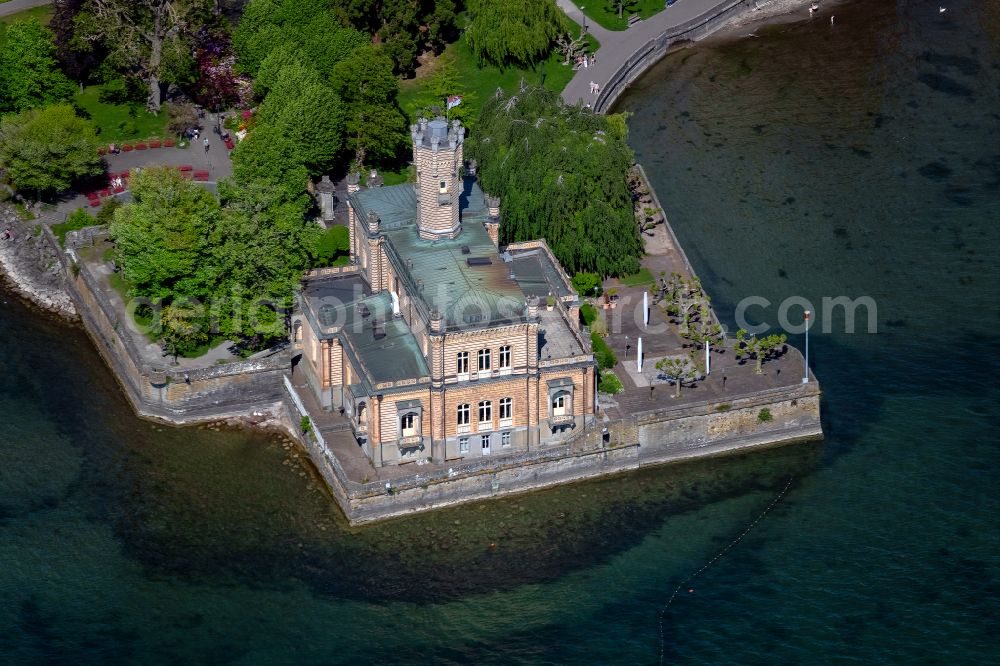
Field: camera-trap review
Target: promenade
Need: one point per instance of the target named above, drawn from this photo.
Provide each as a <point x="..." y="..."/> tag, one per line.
<point x="15" y="6"/>
<point x="618" y="45"/>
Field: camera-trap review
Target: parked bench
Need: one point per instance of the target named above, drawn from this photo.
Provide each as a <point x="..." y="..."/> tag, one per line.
<point x="633" y="19"/>
<point x="201" y="175"/>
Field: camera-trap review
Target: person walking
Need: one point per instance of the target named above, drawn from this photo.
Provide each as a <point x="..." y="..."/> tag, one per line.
<point x="205" y="143"/>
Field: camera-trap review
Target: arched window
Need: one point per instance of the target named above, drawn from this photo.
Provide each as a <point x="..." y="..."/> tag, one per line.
<point x="560" y="404"/>
<point x="408" y="425"/>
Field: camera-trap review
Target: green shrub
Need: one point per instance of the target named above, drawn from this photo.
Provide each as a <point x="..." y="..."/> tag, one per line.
<point x="588" y="313"/>
<point x="609" y="383"/>
<point x="587" y="284"/>
<point x="332" y="244"/>
<point x="764" y="415"/>
<point x="606" y="358"/>
<point x="78" y="219"/>
<point x="724" y="407"/>
<point x="107" y="211"/>
<point x="306" y="424"/>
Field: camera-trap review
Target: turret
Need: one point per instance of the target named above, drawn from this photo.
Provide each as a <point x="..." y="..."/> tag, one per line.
<point x="437" y="157"/>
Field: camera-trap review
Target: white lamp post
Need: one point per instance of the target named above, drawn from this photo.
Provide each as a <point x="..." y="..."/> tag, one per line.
<point x="638" y="356"/>
<point x="805" y="372"/>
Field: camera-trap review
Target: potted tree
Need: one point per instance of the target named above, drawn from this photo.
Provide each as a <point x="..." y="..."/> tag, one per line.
<point x="550" y="302"/>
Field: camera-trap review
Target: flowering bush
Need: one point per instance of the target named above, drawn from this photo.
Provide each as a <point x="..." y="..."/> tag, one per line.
<point x="127" y="147"/>
<point x="218" y="86"/>
<point x="168" y="143"/>
<point x="154" y="143"/>
<point x="141" y="146"/>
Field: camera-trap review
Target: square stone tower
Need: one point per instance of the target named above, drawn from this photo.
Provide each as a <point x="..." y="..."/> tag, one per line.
<point x="437" y="158"/>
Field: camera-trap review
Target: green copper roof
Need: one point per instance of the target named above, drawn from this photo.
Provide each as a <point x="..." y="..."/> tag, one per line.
<point x="395" y="205"/>
<point x="383" y="345"/>
<point x="466" y="295"/>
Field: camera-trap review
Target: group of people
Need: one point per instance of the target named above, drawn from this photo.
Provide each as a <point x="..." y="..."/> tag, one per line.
<point x="586" y="60"/>
<point x="594" y="88"/>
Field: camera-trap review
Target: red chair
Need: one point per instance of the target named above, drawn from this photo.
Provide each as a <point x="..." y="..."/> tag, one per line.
<point x="201" y="175"/>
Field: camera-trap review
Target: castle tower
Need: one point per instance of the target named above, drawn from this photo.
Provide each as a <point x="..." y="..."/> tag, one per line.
<point x="437" y="157"/>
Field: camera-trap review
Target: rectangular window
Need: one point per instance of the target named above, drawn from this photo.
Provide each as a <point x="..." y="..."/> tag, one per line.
<point x="463" y="363"/>
<point x="463" y="445"/>
<point x="504" y="359"/>
<point x="485" y="415"/>
<point x="484" y="359"/>
<point x="484" y="443"/>
<point x="463" y="418"/>
<point x="443" y="186"/>
<point x="505" y="439"/>
<point x="506" y="408"/>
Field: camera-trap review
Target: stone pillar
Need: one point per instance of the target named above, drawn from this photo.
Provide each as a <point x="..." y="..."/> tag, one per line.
<point x="324" y="193"/>
<point x="376" y="430"/>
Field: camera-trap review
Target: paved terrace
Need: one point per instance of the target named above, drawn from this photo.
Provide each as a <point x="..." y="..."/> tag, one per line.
<point x="618" y="45"/>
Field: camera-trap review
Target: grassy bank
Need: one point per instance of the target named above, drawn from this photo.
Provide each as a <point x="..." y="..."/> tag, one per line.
<point x="605" y="12"/>
<point x="120" y="122"/>
<point x="476" y="84"/>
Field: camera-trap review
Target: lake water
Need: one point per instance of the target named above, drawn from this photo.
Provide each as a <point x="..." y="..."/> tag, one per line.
<point x="810" y="161"/>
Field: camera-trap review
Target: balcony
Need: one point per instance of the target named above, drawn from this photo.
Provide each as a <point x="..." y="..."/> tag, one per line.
<point x="561" y="419"/>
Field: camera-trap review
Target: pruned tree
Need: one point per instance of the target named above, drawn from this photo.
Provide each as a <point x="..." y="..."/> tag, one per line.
<point x="181" y="116"/>
<point x="677" y="370"/>
<point x="569" y="47"/>
<point x="149" y="38"/>
<point x="759" y="349"/>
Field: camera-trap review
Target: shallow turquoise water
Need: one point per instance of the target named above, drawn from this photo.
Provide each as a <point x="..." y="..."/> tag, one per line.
<point x="859" y="161"/>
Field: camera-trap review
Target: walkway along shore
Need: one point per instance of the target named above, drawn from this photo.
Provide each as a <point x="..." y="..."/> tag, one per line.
<point x="624" y="55"/>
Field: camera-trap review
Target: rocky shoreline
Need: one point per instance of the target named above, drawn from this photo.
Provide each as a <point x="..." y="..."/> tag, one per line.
<point x="29" y="265"/>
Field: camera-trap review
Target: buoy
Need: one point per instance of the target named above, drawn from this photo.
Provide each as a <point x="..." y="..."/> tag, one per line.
<point x="691" y="590"/>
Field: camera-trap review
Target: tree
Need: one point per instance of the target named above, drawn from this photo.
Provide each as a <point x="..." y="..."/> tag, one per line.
<point x="571" y="47"/>
<point x="46" y="149"/>
<point x="307" y="111"/>
<point x="184" y="326"/>
<point x="403" y="27"/>
<point x="587" y="284"/>
<point x="162" y="236"/>
<point x="150" y="38"/>
<point x="677" y="370"/>
<point x="375" y="126"/>
<point x="29" y="72"/>
<point x="77" y="57"/>
<point x="442" y="83"/>
<point x="562" y="174"/>
<point x="513" y="32"/>
<point x="181" y="116"/>
<point x="759" y="349"/>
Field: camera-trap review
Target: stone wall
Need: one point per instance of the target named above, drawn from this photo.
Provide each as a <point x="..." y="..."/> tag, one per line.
<point x="156" y="390"/>
<point x="652" y="51"/>
<point x="650" y="438"/>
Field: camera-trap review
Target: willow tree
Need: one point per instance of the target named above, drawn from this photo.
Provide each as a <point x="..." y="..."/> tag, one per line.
<point x="561" y="173"/>
<point x="146" y="38"/>
<point x="514" y="32"/>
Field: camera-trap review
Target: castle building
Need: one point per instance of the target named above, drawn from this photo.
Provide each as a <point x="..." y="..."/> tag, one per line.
<point x="433" y="342"/>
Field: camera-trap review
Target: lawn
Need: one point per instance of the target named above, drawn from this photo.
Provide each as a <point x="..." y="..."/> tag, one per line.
<point x="609" y="383"/>
<point x="644" y="276"/>
<point x="605" y="12"/>
<point x="117" y="123"/>
<point x="41" y="14"/>
<point x="479" y="83"/>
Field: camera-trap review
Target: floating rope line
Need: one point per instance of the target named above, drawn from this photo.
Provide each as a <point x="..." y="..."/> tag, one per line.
<point x="718" y="555"/>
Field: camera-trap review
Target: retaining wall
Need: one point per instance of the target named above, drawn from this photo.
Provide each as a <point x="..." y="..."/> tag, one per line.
<point x="157" y="390"/>
<point x="652" y="51"/>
